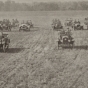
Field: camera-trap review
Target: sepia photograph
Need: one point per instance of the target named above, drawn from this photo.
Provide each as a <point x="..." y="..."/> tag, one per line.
<point x="43" y="43"/>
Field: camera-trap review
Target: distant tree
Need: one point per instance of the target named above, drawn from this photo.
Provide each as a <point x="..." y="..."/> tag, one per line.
<point x="7" y="5"/>
<point x="13" y="6"/>
<point x="1" y="6"/>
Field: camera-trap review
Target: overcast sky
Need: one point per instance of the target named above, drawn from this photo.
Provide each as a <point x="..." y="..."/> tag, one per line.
<point x="31" y="1"/>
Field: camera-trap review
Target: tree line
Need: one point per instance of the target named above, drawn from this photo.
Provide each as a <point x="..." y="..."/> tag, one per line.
<point x="43" y="6"/>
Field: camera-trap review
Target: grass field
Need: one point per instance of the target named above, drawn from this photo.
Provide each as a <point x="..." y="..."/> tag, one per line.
<point x="34" y="61"/>
<point x="44" y="18"/>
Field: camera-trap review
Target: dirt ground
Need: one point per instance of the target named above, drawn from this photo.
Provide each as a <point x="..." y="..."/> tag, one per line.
<point x="34" y="61"/>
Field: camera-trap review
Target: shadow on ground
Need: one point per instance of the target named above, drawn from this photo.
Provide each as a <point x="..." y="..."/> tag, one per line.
<point x="76" y="47"/>
<point x="12" y="50"/>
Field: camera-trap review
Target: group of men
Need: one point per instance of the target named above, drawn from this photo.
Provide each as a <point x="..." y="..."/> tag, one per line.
<point x="7" y="24"/>
<point x="7" y="21"/>
<point x="72" y="22"/>
<point x="56" y="21"/>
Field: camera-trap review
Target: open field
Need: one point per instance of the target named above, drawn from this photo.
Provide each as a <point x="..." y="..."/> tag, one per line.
<point x="34" y="60"/>
<point x="43" y="18"/>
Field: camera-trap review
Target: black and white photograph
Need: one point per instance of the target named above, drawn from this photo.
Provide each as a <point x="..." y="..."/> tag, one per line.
<point x="43" y="43"/>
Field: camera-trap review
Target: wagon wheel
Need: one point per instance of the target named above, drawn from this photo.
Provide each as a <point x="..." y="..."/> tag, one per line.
<point x="4" y="47"/>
